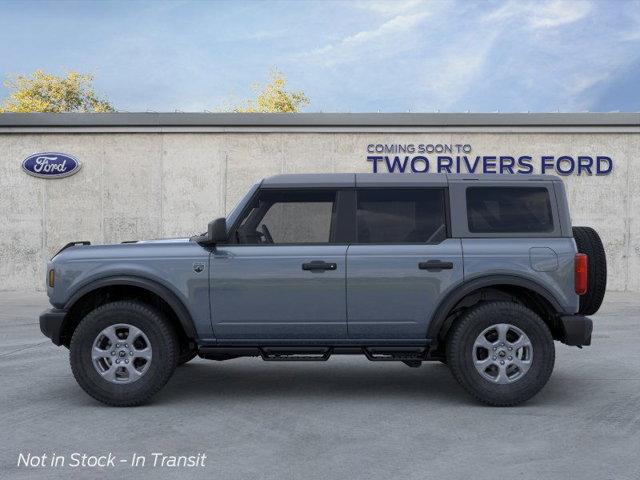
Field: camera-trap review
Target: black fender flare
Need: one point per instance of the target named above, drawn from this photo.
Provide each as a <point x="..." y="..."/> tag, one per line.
<point x="444" y="307"/>
<point x="178" y="307"/>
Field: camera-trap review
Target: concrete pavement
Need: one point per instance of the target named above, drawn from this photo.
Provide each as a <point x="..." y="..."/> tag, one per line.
<point x="344" y="419"/>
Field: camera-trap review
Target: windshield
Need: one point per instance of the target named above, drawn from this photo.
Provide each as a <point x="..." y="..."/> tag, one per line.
<point x="235" y="213"/>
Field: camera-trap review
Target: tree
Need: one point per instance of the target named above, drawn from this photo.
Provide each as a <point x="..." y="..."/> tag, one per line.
<point x="274" y="98"/>
<point x="43" y="92"/>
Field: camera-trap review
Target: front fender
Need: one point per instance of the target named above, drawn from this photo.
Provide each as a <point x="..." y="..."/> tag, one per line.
<point x="168" y="270"/>
<point x="153" y="285"/>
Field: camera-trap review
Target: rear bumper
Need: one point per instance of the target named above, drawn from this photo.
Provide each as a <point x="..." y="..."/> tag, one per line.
<point x="51" y="324"/>
<point x="576" y="330"/>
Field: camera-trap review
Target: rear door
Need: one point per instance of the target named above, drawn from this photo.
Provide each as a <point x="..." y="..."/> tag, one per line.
<point x="402" y="262"/>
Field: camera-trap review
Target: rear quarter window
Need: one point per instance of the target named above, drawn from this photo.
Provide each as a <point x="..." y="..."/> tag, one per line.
<point x="509" y="210"/>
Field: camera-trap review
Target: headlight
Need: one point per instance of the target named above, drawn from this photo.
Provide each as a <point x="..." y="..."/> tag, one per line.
<point x="51" y="277"/>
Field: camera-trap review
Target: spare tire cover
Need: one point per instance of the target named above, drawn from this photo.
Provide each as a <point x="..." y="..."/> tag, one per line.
<point x="588" y="242"/>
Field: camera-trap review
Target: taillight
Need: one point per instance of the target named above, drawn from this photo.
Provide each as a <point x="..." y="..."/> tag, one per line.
<point x="581" y="273"/>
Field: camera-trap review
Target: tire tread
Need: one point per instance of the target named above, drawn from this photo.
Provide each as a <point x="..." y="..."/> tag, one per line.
<point x="166" y="330"/>
<point x="588" y="242"/>
<point x="464" y="374"/>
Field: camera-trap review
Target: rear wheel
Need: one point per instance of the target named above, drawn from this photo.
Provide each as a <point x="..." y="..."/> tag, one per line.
<point x="122" y="353"/>
<point x="502" y="353"/>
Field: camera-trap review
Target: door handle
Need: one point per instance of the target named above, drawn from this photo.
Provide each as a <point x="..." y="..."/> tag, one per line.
<point x="435" y="265"/>
<point x="319" y="265"/>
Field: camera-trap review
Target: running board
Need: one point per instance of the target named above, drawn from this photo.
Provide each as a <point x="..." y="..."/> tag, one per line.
<point x="410" y="355"/>
<point x="392" y="354"/>
<point x="296" y="354"/>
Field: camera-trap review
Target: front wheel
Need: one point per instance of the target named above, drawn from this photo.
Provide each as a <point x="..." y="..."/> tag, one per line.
<point x="502" y="353"/>
<point x="124" y="352"/>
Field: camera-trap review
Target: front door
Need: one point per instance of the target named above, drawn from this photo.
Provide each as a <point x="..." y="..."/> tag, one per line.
<point x="401" y="264"/>
<point x="282" y="276"/>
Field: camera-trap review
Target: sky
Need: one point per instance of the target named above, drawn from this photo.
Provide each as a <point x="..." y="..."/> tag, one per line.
<point x="347" y="56"/>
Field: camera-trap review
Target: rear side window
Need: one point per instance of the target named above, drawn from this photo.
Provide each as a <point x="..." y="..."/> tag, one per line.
<point x="509" y="210"/>
<point x="401" y="216"/>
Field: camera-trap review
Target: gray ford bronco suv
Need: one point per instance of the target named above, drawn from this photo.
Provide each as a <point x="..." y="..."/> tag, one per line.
<point x="481" y="273"/>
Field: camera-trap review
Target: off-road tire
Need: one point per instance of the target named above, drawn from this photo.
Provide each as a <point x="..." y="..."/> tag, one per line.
<point x="460" y="345"/>
<point x="164" y="349"/>
<point x="588" y="242"/>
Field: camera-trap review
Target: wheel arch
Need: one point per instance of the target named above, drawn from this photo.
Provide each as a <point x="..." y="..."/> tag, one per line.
<point x="110" y="288"/>
<point x="527" y="291"/>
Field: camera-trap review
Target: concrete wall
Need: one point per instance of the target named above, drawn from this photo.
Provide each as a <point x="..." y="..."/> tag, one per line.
<point x="150" y="185"/>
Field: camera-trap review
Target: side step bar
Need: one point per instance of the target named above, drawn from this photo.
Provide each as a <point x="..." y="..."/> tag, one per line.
<point x="296" y="354"/>
<point x="392" y="354"/>
<point x="412" y="356"/>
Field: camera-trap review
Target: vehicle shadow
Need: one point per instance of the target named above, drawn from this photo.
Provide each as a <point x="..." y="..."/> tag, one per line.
<point x="253" y="379"/>
<point x="303" y="380"/>
<point x="205" y="382"/>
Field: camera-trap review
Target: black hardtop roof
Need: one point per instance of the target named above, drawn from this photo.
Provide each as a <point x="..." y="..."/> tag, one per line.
<point x="319" y="180"/>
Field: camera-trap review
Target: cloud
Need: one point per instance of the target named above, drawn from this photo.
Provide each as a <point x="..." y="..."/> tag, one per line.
<point x="541" y="15"/>
<point x="389" y="8"/>
<point x="392" y="36"/>
<point x="512" y="55"/>
<point x="556" y="13"/>
<point x="507" y="58"/>
<point x="400" y="32"/>
<point x="561" y="70"/>
<point x="453" y="71"/>
<point x="632" y="15"/>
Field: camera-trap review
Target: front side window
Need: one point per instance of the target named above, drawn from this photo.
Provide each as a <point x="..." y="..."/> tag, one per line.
<point x="289" y="216"/>
<point x="509" y="210"/>
<point x="401" y="216"/>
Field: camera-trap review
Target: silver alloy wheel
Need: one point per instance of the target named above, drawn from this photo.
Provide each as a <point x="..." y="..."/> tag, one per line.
<point x="121" y="353"/>
<point x="502" y="353"/>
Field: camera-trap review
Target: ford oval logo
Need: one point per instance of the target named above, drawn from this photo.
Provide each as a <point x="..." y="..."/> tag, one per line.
<point x="51" y="165"/>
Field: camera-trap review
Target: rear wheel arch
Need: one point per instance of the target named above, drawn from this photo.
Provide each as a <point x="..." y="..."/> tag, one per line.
<point x="492" y="288"/>
<point x="111" y="289"/>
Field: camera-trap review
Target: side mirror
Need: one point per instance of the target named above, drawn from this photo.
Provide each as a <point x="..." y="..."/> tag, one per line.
<point x="217" y="231"/>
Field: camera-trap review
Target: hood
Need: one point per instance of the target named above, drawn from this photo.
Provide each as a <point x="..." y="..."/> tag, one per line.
<point x="85" y="249"/>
